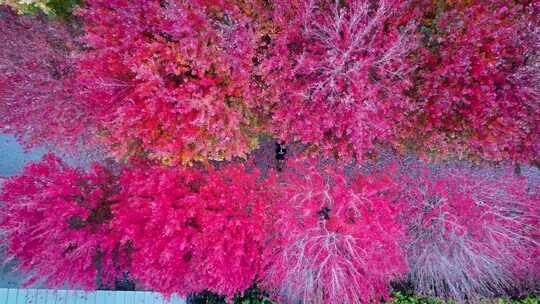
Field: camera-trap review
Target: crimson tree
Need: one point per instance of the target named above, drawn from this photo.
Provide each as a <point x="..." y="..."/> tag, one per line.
<point x="171" y="78"/>
<point x="194" y="230"/>
<point x="478" y="89"/>
<point x="55" y="221"/>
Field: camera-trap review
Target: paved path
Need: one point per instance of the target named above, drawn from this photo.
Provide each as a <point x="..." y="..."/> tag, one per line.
<point x="50" y="296"/>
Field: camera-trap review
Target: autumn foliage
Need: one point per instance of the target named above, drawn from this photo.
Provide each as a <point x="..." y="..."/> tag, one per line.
<point x="176" y="230"/>
<point x="336" y="240"/>
<point x="478" y="87"/>
<point x="474" y="233"/>
<point x="55" y="220"/>
<point x="178" y="94"/>
<point x="194" y="230"/>
<point x="37" y="85"/>
<point x="343" y="77"/>
<point x="339" y="70"/>
<point x="170" y="78"/>
<point x="313" y="233"/>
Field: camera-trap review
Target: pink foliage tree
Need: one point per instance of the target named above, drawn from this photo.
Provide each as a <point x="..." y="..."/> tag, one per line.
<point x="336" y="240"/>
<point x="338" y="72"/>
<point x="55" y="223"/>
<point x="183" y="81"/>
<point x="194" y="230"/>
<point x="37" y="92"/>
<point x="474" y="233"/>
<point x="478" y="90"/>
<point x="171" y="77"/>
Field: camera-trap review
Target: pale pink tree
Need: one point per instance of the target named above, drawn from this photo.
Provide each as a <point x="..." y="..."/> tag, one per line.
<point x="338" y="71"/>
<point x="38" y="97"/>
<point x="335" y="240"/>
<point x="474" y="233"/>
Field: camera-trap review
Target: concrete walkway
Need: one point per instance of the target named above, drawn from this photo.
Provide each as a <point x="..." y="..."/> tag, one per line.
<point x="50" y="296"/>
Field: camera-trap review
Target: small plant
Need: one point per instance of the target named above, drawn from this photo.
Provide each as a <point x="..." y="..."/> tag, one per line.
<point x="526" y="300"/>
<point x="253" y="295"/>
<point x="58" y="8"/>
<point x="29" y="6"/>
<point x="399" y="298"/>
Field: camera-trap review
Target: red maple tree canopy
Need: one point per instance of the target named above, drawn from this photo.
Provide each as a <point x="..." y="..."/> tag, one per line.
<point x="325" y="151"/>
